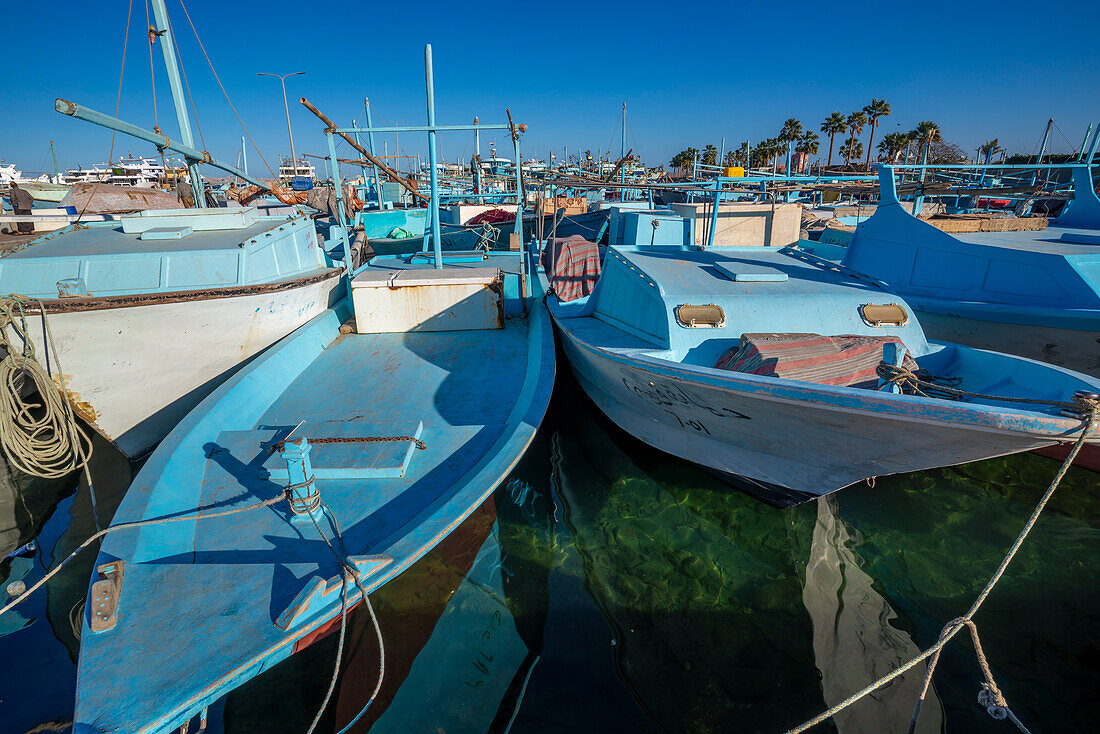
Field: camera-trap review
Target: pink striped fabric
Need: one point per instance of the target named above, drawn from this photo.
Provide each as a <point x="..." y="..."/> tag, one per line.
<point x="573" y="264"/>
<point x="847" y="360"/>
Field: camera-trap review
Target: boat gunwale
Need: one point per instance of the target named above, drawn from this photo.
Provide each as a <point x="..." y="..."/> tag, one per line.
<point x="103" y="303"/>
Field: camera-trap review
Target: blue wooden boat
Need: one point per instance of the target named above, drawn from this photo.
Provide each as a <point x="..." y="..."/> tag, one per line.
<point x="645" y="342"/>
<point x="1031" y="293"/>
<point x="314" y="475"/>
<point x="205" y="605"/>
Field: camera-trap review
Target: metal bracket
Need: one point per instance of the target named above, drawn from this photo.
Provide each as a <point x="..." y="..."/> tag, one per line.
<point x="104" y="596"/>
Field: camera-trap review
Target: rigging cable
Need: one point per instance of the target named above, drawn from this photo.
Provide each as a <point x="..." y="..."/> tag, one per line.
<point x="118" y="104"/>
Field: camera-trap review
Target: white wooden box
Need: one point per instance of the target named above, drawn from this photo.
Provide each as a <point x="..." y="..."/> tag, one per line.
<point x="444" y="299"/>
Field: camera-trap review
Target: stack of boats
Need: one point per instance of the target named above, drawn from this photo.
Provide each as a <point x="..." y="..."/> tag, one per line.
<point x="321" y="426"/>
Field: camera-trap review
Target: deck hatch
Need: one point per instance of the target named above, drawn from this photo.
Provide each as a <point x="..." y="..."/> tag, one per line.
<point x="885" y="314"/>
<point x="700" y="316"/>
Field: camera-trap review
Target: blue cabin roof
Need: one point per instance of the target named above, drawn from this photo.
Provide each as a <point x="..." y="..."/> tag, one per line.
<point x="165" y="251"/>
<point x="775" y="291"/>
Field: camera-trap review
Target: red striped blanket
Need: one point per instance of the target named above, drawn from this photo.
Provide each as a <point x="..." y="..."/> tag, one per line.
<point x="848" y="360"/>
<point x="573" y="264"/>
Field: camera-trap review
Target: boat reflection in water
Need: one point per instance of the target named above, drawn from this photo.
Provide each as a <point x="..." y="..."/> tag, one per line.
<point x="856" y="639"/>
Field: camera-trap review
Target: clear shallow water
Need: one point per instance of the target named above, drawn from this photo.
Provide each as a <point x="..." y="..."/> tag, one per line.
<point x="608" y="587"/>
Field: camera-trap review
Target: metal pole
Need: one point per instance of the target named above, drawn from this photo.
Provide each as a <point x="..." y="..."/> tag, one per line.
<point x="244" y="155"/>
<point x="370" y="144"/>
<point x="1080" y="154"/>
<point x="362" y="167"/>
<point x="434" y="174"/>
<point x="1092" y="148"/>
<point x="334" y="166"/>
<point x="286" y="108"/>
<point x="622" y="147"/>
<point x="1042" y="149"/>
<point x="163" y="31"/>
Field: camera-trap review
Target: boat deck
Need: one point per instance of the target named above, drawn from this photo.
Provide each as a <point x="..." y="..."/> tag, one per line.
<point x="1048" y="241"/>
<point x="455" y="391"/>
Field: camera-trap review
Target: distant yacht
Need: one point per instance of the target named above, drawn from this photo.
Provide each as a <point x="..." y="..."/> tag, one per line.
<point x="288" y="169"/>
<point x="9" y="173"/>
<point x="129" y="170"/>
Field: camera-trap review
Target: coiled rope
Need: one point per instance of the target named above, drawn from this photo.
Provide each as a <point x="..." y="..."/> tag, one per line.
<point x="39" y="438"/>
<point x="990" y="696"/>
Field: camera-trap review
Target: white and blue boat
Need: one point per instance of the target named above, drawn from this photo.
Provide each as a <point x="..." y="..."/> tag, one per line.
<point x="151" y="311"/>
<point x="645" y="342"/>
<point x="344" y="453"/>
<point x="1031" y="293"/>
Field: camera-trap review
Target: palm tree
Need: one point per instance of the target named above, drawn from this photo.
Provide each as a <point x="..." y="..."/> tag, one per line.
<point x="878" y="108"/>
<point x="852" y="148"/>
<point x="892" y="146"/>
<point x="808" y="144"/>
<point x="856" y="122"/>
<point x="834" y="124"/>
<point x="925" y="134"/>
<point x="790" y="133"/>
<point x="990" y="148"/>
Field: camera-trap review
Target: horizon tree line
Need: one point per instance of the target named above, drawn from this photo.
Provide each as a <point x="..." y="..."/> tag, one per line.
<point x="927" y="136"/>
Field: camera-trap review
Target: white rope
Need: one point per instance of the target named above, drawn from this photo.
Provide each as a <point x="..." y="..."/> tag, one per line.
<point x="40" y="439"/>
<point x="952" y="628"/>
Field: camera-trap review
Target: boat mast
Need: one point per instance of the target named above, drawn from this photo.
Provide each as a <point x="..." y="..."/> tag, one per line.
<point x="622" y="154"/>
<point x="57" y="176"/>
<point x="162" y="30"/>
<point x="433" y="174"/>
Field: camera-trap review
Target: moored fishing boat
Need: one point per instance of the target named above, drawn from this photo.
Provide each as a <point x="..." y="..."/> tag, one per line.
<point x="314" y="475"/>
<point x="45" y="190"/>
<point x="150" y="313"/>
<point x="1032" y="293"/>
<point x="647" y="342"/>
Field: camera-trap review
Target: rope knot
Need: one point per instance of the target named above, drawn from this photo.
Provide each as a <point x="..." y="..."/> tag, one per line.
<point x="993" y="702"/>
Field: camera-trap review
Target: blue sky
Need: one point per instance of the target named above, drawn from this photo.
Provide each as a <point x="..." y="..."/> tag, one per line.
<point x="690" y="72"/>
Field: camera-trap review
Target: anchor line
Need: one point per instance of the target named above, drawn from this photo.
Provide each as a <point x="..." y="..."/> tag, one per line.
<point x="990" y="695"/>
<point x="191" y="516"/>
<point x="349" y="572"/>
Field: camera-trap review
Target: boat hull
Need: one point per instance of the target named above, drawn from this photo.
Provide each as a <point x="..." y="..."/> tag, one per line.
<point x="133" y="372"/>
<point x="1074" y="349"/>
<point x="784" y="444"/>
<point x="43" y="191"/>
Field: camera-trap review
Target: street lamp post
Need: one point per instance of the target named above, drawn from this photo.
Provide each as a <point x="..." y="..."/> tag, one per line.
<point x="282" y="80"/>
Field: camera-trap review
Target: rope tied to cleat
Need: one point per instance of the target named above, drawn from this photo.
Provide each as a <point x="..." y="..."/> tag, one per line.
<point x="919" y="382"/>
<point x="990" y="696"/>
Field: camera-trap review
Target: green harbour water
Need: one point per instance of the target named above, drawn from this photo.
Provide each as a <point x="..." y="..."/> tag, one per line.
<point x="609" y="587"/>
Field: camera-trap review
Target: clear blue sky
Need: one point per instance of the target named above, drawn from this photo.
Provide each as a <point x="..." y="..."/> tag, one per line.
<point x="690" y="72"/>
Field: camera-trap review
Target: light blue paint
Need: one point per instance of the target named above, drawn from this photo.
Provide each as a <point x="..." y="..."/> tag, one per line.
<point x="116" y="263"/>
<point x="788" y="440"/>
<point x="1043" y="278"/>
<point x="256" y="583"/>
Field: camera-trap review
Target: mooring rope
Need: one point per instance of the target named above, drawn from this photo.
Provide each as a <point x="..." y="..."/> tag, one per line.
<point x="904" y="377"/>
<point x="990" y="696"/>
<point x="349" y="571"/>
<point x="40" y="439"/>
